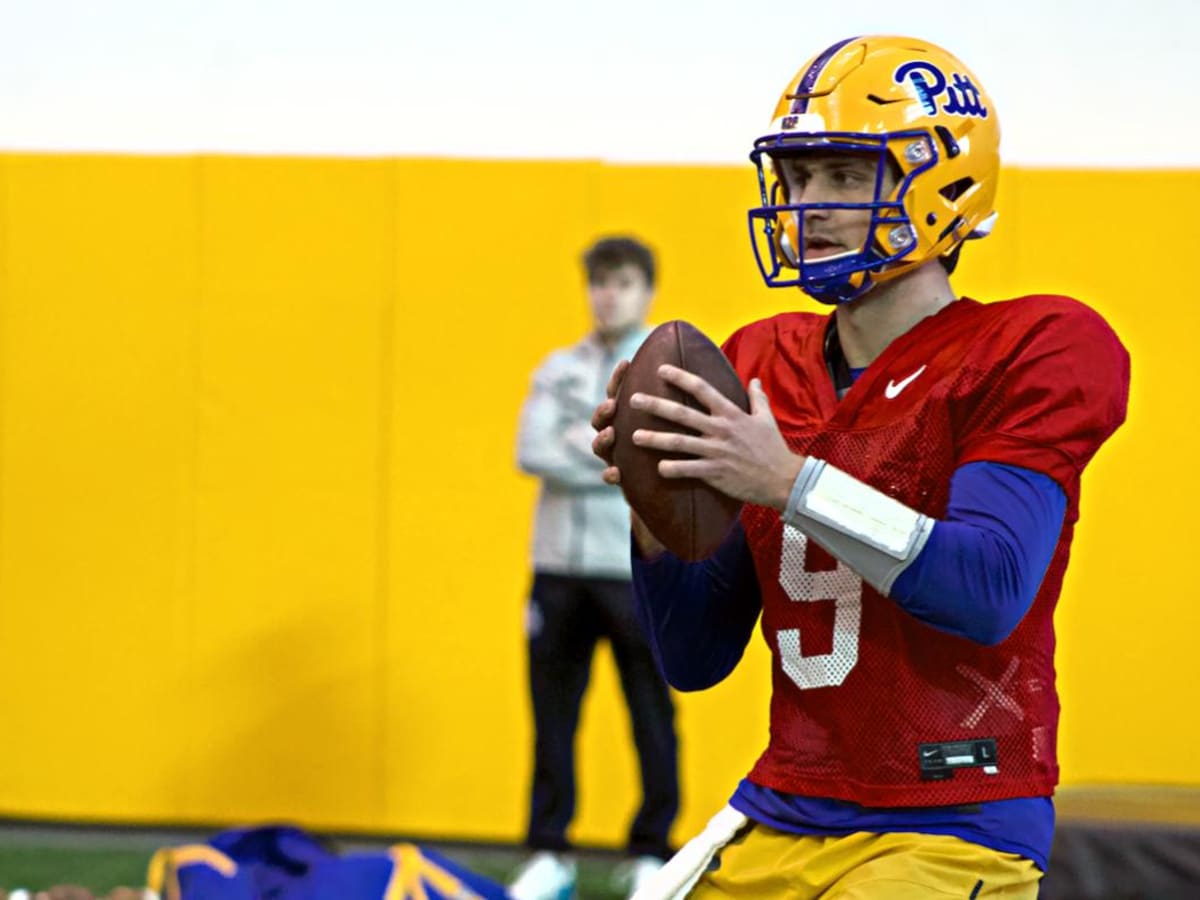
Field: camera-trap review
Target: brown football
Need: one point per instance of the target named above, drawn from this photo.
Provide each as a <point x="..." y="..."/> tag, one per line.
<point x="687" y="515"/>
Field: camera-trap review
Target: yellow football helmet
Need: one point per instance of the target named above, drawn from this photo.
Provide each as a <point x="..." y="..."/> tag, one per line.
<point x="924" y="114"/>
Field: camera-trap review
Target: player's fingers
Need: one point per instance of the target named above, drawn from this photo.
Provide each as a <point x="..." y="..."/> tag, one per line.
<point x="670" y="410"/>
<point x="712" y="399"/>
<point x="686" y="468"/>
<point x="758" y="397"/>
<point x="615" y="379"/>
<point x="760" y="405"/>
<point x="602" y="443"/>
<point x="603" y="414"/>
<point x="669" y="441"/>
<point x="611" y="475"/>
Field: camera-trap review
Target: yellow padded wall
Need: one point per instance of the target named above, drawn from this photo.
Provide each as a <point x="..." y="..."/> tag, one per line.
<point x="488" y="283"/>
<point x="96" y="403"/>
<point x="286" y="637"/>
<point x="263" y="545"/>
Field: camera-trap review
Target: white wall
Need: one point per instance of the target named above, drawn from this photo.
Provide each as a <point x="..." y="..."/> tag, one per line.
<point x="1078" y="82"/>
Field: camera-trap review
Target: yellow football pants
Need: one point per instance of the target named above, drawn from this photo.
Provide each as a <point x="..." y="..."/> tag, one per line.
<point x="764" y="864"/>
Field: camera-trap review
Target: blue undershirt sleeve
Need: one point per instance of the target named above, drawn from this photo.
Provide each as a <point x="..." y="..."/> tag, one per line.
<point x="698" y="616"/>
<point x="985" y="560"/>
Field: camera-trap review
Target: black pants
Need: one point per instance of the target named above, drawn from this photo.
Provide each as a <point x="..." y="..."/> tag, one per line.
<point x="567" y="616"/>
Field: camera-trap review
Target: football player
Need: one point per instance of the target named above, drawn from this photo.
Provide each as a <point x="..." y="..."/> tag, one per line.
<point x="911" y="469"/>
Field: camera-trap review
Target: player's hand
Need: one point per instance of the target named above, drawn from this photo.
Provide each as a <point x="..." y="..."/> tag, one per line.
<point x="602" y="417"/>
<point x="740" y="454"/>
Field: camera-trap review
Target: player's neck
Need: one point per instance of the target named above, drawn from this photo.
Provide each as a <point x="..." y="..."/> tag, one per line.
<point x="867" y="325"/>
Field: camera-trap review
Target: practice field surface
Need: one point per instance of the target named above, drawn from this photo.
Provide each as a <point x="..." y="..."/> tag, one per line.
<point x="1113" y="842"/>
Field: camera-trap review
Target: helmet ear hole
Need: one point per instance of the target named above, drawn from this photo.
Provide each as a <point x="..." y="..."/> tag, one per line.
<point x="956" y="189"/>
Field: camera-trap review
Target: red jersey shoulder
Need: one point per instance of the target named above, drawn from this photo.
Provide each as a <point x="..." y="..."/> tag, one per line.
<point x="1055" y="340"/>
<point x="1055" y="384"/>
<point x="1064" y="323"/>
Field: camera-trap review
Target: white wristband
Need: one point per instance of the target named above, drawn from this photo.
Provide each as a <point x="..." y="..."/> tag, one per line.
<point x="874" y="534"/>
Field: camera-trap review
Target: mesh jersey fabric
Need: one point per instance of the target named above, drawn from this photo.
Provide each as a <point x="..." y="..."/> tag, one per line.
<point x="857" y="684"/>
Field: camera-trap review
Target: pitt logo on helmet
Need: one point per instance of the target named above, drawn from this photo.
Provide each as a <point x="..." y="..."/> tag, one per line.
<point x="929" y="83"/>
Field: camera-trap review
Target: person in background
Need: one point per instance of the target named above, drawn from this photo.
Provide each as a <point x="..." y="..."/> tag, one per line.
<point x="581" y="585"/>
<point x="911" y="468"/>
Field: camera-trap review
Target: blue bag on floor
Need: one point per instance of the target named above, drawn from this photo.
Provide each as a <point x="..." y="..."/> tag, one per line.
<point x="286" y="863"/>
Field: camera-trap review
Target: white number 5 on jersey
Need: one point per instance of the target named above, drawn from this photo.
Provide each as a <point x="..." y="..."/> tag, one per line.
<point x="842" y="587"/>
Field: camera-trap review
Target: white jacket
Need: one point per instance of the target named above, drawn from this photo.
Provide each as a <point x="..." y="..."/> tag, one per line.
<point x="582" y="524"/>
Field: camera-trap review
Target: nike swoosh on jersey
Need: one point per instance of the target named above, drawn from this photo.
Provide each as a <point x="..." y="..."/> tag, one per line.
<point x="893" y="389"/>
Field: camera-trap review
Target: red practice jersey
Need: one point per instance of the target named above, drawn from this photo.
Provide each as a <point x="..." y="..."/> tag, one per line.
<point x="859" y="685"/>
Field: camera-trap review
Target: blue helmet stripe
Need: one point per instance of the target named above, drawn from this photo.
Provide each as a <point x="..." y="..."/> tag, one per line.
<point x="800" y="104"/>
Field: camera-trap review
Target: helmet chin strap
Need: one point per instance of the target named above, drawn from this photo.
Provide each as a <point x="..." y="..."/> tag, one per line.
<point x="840" y="291"/>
